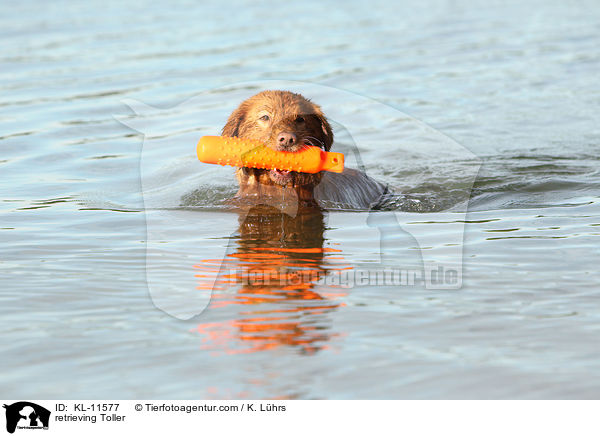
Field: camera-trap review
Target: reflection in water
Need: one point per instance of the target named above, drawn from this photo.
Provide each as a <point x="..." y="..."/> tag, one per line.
<point x="272" y="272"/>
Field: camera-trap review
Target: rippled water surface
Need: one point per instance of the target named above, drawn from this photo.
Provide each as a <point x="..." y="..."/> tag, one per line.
<point x="113" y="234"/>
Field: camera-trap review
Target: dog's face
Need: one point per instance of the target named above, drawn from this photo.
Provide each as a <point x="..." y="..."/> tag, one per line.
<point x="283" y="121"/>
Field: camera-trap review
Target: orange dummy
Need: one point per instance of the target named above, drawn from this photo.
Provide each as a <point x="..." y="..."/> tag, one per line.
<point x="237" y="152"/>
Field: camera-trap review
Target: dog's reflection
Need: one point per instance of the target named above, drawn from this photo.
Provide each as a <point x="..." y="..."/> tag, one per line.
<point x="272" y="272"/>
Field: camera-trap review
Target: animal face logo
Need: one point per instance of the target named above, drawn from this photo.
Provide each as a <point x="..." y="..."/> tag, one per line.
<point x="24" y="414"/>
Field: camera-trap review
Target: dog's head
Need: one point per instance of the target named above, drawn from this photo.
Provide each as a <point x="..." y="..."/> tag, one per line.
<point x="283" y="121"/>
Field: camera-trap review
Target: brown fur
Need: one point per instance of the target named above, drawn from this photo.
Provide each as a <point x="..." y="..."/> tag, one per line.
<point x="290" y="113"/>
<point x="287" y="113"/>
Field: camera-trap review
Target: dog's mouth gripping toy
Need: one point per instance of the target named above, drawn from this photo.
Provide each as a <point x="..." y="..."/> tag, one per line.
<point x="238" y="152"/>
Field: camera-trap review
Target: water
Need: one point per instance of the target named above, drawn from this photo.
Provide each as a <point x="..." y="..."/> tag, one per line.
<point x="512" y="87"/>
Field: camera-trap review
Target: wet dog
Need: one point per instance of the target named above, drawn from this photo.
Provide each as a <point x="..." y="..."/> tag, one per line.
<point x="286" y="121"/>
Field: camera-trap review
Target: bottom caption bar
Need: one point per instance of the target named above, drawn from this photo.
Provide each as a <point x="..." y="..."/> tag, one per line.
<point x="90" y="417"/>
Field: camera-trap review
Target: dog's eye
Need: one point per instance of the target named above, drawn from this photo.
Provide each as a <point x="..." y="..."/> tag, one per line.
<point x="265" y="118"/>
<point x="299" y="120"/>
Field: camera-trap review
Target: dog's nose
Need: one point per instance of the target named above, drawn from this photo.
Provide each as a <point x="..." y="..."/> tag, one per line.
<point x="286" y="139"/>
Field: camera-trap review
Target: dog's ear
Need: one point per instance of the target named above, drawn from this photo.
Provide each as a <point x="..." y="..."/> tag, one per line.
<point x="327" y="132"/>
<point x="237" y="117"/>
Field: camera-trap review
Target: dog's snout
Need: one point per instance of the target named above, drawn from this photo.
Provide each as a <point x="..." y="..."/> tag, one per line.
<point x="286" y="139"/>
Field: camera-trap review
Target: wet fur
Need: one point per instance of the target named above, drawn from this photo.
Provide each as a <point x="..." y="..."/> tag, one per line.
<point x="288" y="112"/>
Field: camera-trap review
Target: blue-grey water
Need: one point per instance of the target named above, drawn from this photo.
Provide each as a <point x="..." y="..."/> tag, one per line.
<point x="102" y="200"/>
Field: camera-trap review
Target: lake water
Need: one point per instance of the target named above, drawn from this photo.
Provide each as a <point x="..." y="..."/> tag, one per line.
<point x="113" y="234"/>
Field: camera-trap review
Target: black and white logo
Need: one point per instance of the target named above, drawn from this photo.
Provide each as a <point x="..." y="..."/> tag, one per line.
<point x="26" y="415"/>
